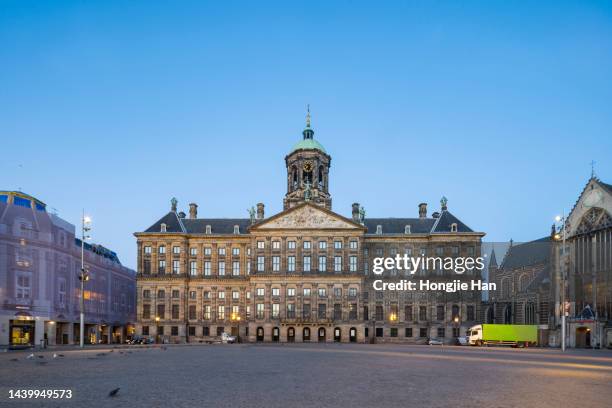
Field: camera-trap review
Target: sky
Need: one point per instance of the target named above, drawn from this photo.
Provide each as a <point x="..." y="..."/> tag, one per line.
<point x="116" y="107"/>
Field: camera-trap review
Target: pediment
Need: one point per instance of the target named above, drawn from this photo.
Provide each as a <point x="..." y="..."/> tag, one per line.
<point x="307" y="216"/>
<point x="594" y="202"/>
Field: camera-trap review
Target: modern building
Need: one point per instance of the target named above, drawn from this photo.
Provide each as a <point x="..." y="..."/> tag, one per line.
<point x="304" y="274"/>
<point x="40" y="262"/>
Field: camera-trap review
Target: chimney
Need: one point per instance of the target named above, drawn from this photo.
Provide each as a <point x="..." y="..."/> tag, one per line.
<point x="423" y="210"/>
<point x="260" y="211"/>
<point x="193" y="211"/>
<point x="356" y="212"/>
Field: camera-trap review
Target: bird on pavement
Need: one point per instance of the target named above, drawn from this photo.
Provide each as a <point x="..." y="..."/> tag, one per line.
<point x="30" y="356"/>
<point x="114" y="392"/>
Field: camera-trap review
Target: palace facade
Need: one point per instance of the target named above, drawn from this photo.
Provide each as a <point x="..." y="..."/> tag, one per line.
<point x="303" y="274"/>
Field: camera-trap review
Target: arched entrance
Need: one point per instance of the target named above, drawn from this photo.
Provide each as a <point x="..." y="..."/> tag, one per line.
<point x="353" y="335"/>
<point x="260" y="334"/>
<point x="337" y="335"/>
<point x="306" y="334"/>
<point x="291" y="335"/>
<point x="321" y="334"/>
<point x="275" y="334"/>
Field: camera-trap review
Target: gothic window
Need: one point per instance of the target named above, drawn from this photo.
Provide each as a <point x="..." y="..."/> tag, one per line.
<point x="523" y="282"/>
<point x="530" y="313"/>
<point x="594" y="219"/>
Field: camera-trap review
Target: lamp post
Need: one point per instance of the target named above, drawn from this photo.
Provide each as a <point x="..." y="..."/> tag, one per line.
<point x="157" y="329"/>
<point x="83" y="276"/>
<point x="235" y="317"/>
<point x="560" y="235"/>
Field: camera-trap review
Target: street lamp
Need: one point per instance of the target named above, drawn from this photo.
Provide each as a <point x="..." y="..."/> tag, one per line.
<point x="157" y="329"/>
<point x="560" y="233"/>
<point x="83" y="276"/>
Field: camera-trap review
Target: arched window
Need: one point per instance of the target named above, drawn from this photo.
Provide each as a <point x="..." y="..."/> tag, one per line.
<point x="523" y="282"/>
<point x="530" y="313"/>
<point x="505" y="288"/>
<point x="163" y="227"/>
<point x="455" y="311"/>
<point x="454" y="227"/>
<point x="321" y="181"/>
<point x="294" y="177"/>
<point x="508" y="314"/>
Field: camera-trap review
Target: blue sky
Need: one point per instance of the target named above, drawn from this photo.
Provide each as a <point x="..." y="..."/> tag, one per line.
<point x="118" y="106"/>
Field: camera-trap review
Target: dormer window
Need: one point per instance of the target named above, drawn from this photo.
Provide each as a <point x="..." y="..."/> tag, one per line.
<point x="454" y="227"/>
<point x="163" y="228"/>
<point x="208" y="229"/>
<point x="407" y="229"/>
<point x="236" y="229"/>
<point x="379" y="229"/>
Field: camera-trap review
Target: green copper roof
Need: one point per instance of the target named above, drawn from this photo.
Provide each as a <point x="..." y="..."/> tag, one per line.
<point x="308" y="144"/>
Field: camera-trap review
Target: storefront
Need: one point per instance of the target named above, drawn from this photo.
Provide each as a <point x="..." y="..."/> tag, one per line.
<point x="22" y="332"/>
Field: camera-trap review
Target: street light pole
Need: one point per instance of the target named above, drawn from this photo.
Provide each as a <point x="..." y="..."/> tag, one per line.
<point x="563" y="222"/>
<point x="85" y="228"/>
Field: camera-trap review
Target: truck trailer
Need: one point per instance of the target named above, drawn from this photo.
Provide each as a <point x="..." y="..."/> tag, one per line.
<point x="517" y="335"/>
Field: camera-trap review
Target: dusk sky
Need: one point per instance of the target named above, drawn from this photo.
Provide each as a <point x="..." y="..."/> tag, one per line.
<point x="116" y="107"/>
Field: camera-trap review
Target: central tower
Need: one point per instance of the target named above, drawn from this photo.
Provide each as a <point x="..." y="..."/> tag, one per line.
<point x="307" y="172"/>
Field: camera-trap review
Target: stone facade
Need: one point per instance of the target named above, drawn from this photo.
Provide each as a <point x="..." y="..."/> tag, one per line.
<point x="303" y="274"/>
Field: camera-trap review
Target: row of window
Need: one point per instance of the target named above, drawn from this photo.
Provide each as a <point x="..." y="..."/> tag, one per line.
<point x="260" y="245"/>
<point x="260" y="292"/>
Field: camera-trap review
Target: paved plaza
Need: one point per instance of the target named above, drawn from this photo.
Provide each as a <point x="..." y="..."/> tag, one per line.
<point x="314" y="375"/>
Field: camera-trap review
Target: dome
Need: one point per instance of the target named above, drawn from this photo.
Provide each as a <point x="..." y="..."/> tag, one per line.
<point x="308" y="144"/>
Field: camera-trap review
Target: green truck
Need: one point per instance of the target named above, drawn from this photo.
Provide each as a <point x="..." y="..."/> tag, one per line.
<point x="517" y="335"/>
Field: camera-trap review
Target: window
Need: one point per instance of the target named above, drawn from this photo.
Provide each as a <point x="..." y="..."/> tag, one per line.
<point x="290" y="244"/>
<point x="290" y="310"/>
<point x="176" y="250"/>
<point x="160" y="330"/>
<point x="207" y="251"/>
<point x="192" y="312"/>
<point x="322" y="244"/>
<point x="276" y="263"/>
<point x="248" y="312"/>
<point x="322" y="310"/>
<point x="161" y="249"/>
<point x="162" y="267"/>
<point x="191" y="331"/>
<point x="176" y="267"/>
<point x="352" y="292"/>
<point x="147" y="250"/>
<point x="146" y="266"/>
<point x="221" y="312"/>
<point x="261" y="263"/>
<point x="306" y="311"/>
<point x="275" y="292"/>
<point x="423" y="332"/>
<point x="146" y="312"/>
<point x="407" y="229"/>
<point x="441" y="332"/>
<point x="205" y="331"/>
<point x="454" y="227"/>
<point x="222" y="251"/>
<point x="206" y="312"/>
<point x="422" y="313"/>
<point x="337" y="311"/>
<point x="456" y="332"/>
<point x="338" y="292"/>
<point x="236" y="229"/>
<point x="337" y="264"/>
<point x="193" y="268"/>
<point x="61" y="291"/>
<point x="248" y="294"/>
<point x="408" y="313"/>
<point x="353" y="244"/>
<point x="393" y="332"/>
<point x="176" y="294"/>
<point x="470" y="313"/>
<point x="221" y="268"/>
<point x="379" y="332"/>
<point x="145" y="330"/>
<point x="236" y="268"/>
<point x="221" y="294"/>
<point x="337" y="244"/>
<point x="275" y="244"/>
<point x="306" y="264"/>
<point x="379" y="229"/>
<point x="235" y="251"/>
<point x="380" y="315"/>
<point x="322" y="263"/>
<point x="306" y="244"/>
<point x="192" y="294"/>
<point x="353" y="311"/>
<point x="408" y="332"/>
<point x="161" y="311"/>
<point x="235" y="295"/>
<point x="174" y="330"/>
<point x="322" y="292"/>
<point x="259" y="311"/>
<point x="207" y="268"/>
<point x="175" y="312"/>
<point x="146" y="294"/>
<point x="290" y="292"/>
<point x="470" y="251"/>
<point x="275" y="310"/>
<point x="261" y="244"/>
<point x="193" y="251"/>
<point x="161" y="294"/>
<point x="353" y="263"/>
<point x="206" y="294"/>
<point x="291" y="263"/>
<point x="261" y="292"/>
<point x="306" y="292"/>
<point x="455" y="250"/>
<point x="440" y="312"/>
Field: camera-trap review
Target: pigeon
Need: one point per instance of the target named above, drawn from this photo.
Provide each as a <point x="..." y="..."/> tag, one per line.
<point x="114" y="392"/>
<point x="30" y="356"/>
<point x="54" y="355"/>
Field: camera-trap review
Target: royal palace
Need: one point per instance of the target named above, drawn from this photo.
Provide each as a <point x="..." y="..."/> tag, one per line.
<point x="303" y="274"/>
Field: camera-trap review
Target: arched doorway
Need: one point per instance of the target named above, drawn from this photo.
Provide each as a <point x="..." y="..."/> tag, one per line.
<point x="291" y="335"/>
<point x="260" y="334"/>
<point x="508" y="314"/>
<point x="321" y="333"/>
<point x="275" y="334"/>
<point x="306" y="334"/>
<point x="353" y="335"/>
<point x="337" y="335"/>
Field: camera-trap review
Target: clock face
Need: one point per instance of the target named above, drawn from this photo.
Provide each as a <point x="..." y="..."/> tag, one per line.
<point x="308" y="166"/>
